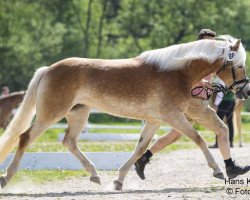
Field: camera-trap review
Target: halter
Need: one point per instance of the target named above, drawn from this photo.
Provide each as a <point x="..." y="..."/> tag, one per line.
<point x="220" y="88"/>
<point x="239" y="91"/>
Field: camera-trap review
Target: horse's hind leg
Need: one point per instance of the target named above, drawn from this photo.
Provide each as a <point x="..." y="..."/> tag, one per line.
<point x="77" y="118"/>
<point x="25" y="139"/>
<point x="47" y="114"/>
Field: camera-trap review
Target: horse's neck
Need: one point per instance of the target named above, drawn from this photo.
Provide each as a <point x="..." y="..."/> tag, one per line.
<point x="199" y="69"/>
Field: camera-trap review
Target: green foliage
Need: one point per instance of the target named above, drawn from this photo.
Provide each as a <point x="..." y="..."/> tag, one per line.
<point x="109" y="119"/>
<point x="38" y="33"/>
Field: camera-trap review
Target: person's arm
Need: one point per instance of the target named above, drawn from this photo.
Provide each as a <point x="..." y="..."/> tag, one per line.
<point x="218" y="98"/>
<point x="219" y="95"/>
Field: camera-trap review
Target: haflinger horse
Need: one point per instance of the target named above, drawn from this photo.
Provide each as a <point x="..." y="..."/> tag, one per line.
<point x="155" y="87"/>
<point x="7" y="104"/>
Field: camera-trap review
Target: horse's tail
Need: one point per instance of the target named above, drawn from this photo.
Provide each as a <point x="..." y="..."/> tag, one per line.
<point x="23" y="117"/>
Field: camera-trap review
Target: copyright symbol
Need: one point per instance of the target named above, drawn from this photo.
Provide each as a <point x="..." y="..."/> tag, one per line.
<point x="229" y="191"/>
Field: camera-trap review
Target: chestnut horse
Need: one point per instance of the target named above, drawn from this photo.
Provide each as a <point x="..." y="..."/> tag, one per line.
<point x="7" y="104"/>
<point x="155" y="86"/>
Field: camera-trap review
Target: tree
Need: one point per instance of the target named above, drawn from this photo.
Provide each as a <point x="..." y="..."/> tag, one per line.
<point x="37" y="33"/>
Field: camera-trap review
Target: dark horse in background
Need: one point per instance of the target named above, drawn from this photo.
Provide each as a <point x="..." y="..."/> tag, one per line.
<point x="7" y="104"/>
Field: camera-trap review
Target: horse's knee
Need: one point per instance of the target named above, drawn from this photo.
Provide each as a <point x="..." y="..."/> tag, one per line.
<point x="223" y="131"/>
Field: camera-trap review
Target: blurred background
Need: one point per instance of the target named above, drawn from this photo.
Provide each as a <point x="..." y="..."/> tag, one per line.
<point x="39" y="33"/>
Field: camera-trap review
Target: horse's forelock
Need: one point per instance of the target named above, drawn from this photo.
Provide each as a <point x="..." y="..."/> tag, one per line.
<point x="240" y="57"/>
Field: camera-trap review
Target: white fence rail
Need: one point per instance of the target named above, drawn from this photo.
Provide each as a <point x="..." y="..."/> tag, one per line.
<point x="116" y="127"/>
<point x="58" y="160"/>
<point x="245" y="113"/>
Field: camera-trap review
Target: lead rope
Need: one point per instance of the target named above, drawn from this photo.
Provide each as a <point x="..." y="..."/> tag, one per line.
<point x="216" y="87"/>
<point x="234" y="110"/>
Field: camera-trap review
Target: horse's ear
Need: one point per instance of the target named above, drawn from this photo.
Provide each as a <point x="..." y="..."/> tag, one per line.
<point x="236" y="46"/>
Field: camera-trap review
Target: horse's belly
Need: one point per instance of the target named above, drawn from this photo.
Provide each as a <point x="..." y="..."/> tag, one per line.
<point x="133" y="110"/>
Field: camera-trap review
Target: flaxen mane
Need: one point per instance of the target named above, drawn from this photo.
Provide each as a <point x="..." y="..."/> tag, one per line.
<point x="177" y="56"/>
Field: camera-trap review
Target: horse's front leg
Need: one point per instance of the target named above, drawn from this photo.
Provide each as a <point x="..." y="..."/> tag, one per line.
<point x="147" y="133"/>
<point x="179" y="122"/>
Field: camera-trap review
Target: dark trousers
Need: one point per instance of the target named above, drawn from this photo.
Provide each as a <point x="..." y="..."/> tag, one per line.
<point x="225" y="109"/>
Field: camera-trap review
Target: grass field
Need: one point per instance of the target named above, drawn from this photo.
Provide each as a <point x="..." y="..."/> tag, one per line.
<point x="48" y="142"/>
<point x="42" y="176"/>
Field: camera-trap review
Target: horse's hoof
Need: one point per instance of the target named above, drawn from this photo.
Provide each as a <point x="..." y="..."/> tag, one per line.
<point x="96" y="179"/>
<point x="3" y="182"/>
<point x="117" y="185"/>
<point x="240" y="145"/>
<point x="219" y="176"/>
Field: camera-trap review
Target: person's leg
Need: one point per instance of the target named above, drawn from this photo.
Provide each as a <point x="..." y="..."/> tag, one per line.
<point x="211" y="121"/>
<point x="199" y="111"/>
<point x="164" y="141"/>
<point x="170" y="138"/>
<point x="229" y="115"/>
<point x="157" y="146"/>
<point x="237" y="115"/>
<point x="221" y="113"/>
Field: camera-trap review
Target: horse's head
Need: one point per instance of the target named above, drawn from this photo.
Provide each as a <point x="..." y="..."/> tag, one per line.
<point x="233" y="72"/>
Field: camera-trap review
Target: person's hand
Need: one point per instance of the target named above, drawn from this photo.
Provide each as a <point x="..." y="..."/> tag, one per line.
<point x="206" y="84"/>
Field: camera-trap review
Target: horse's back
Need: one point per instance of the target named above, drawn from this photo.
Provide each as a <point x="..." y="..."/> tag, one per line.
<point x="97" y="63"/>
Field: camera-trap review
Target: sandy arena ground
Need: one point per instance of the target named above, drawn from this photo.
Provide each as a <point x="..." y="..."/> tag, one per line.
<point x="178" y="175"/>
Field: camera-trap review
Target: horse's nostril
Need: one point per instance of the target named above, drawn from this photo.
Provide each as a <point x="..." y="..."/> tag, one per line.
<point x="248" y="92"/>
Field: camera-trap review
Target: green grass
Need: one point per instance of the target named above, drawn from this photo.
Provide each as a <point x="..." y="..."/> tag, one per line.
<point x="113" y="131"/>
<point x="126" y="146"/>
<point x="51" y="135"/>
<point x="42" y="176"/>
<point x="48" y="142"/>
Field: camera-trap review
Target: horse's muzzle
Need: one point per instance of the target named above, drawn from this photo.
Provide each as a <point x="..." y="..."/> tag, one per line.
<point x="241" y="94"/>
<point x="243" y="91"/>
